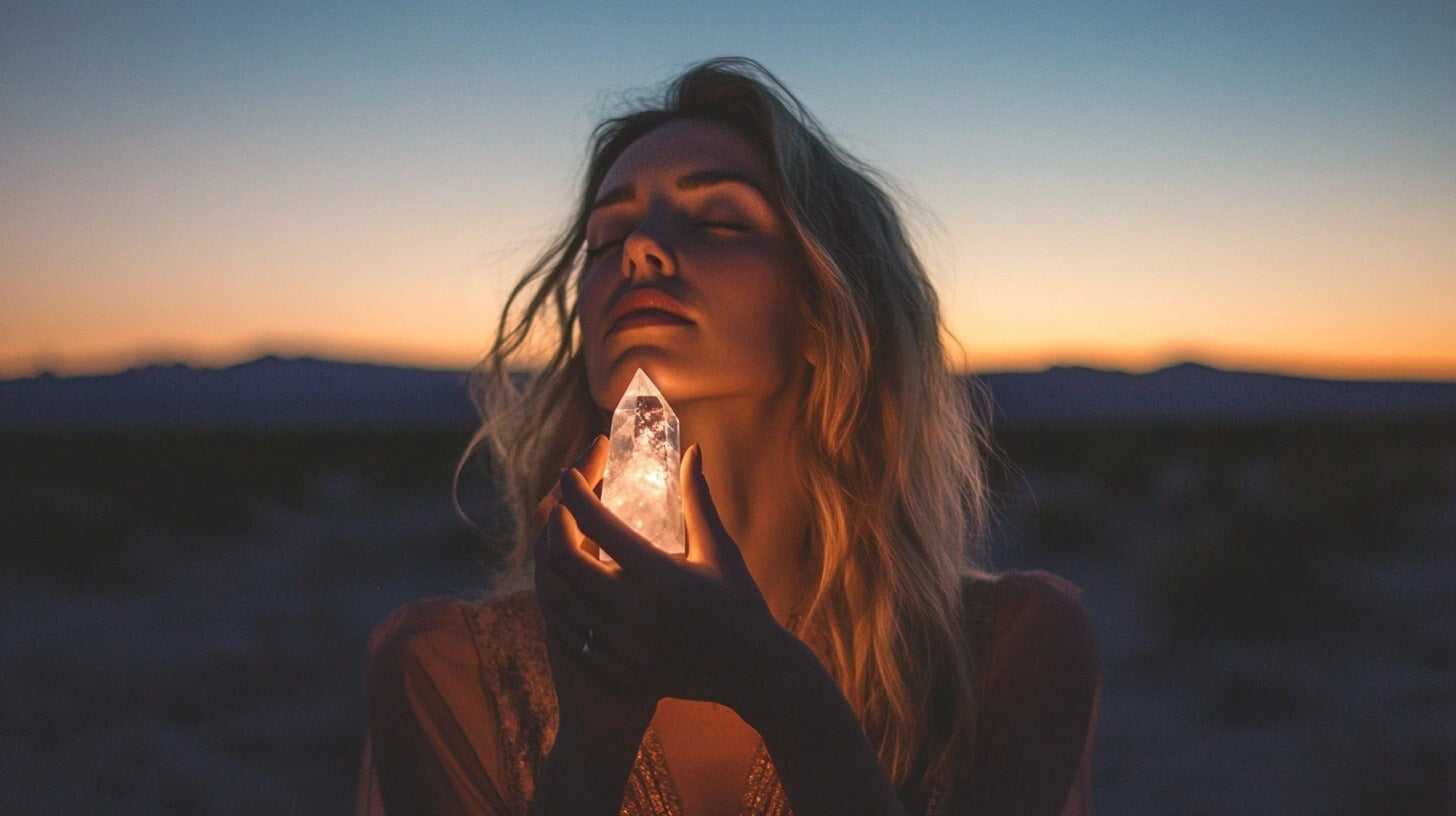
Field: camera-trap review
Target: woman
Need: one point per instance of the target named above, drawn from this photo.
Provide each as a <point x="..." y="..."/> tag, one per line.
<point x="830" y="643"/>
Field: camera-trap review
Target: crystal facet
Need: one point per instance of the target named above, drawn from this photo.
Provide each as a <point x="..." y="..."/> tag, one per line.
<point x="640" y="484"/>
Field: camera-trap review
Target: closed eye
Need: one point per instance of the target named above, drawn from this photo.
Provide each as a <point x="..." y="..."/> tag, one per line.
<point x="731" y="226"/>
<point x="592" y="253"/>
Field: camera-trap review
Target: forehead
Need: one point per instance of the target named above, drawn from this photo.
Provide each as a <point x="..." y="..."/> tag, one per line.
<point x="685" y="146"/>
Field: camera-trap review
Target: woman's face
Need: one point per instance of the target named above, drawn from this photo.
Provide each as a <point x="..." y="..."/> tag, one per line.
<point x="691" y="271"/>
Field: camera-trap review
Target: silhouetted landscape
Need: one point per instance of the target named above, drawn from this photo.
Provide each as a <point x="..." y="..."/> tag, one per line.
<point x="191" y="560"/>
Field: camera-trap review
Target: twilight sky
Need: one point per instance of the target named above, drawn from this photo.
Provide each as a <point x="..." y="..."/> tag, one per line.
<point x="1263" y="187"/>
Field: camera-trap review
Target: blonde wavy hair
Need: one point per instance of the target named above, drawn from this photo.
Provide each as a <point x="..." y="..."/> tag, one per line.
<point x="893" y="443"/>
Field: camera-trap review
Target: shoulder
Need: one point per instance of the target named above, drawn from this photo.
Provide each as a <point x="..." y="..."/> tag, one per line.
<point x="1037" y="657"/>
<point x="426" y="622"/>
<point x="1031" y="614"/>
<point x="458" y="702"/>
<point x="443" y="635"/>
<point x="1038" y="682"/>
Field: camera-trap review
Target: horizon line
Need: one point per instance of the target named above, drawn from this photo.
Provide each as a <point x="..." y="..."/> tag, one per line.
<point x="103" y="365"/>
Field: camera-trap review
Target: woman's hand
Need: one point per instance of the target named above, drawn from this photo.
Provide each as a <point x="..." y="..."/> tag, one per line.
<point x="695" y="628"/>
<point x="591" y="705"/>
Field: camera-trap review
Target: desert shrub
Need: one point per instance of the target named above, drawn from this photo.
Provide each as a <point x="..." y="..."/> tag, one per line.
<point x="68" y="535"/>
<point x="84" y="508"/>
<point x="1370" y="487"/>
<point x="1379" y="771"/>
<point x="1246" y="574"/>
<point x="1066" y="515"/>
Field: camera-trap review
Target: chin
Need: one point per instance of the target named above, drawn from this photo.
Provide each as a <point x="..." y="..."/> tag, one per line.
<point x="683" y="378"/>
<point x="670" y="372"/>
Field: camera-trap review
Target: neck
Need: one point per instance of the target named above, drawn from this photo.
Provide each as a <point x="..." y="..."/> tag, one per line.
<point x="752" y="462"/>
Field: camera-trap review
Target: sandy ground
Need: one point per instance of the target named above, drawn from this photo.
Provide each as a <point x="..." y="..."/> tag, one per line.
<point x="228" y="681"/>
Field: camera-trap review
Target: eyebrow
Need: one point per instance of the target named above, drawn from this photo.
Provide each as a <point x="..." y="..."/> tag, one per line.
<point x="691" y="181"/>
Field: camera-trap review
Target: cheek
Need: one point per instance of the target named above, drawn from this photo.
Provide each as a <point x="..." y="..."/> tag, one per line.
<point x="591" y="357"/>
<point x="766" y="315"/>
<point x="590" y="302"/>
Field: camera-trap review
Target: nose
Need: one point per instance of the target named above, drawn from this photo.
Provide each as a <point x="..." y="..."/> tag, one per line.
<point x="647" y="251"/>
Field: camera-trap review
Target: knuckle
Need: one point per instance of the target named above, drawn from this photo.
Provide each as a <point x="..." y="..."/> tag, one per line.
<point x="546" y="505"/>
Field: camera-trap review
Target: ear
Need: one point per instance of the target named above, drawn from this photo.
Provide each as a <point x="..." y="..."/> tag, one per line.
<point x="813" y="350"/>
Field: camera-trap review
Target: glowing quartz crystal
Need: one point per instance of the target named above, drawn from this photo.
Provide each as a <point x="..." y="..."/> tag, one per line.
<point x="640" y="484"/>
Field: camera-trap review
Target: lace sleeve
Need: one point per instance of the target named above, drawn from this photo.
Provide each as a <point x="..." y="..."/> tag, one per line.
<point x="431" y="745"/>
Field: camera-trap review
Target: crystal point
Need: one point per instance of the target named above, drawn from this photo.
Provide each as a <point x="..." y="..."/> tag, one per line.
<point x="640" y="484"/>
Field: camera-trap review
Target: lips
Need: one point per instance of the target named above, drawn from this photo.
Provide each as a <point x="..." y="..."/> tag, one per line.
<point x="646" y="307"/>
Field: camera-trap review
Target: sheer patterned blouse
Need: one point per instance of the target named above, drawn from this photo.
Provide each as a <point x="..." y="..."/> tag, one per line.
<point x="462" y="712"/>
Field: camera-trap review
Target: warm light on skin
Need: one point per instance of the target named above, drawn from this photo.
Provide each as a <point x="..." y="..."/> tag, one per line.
<point x="682" y="211"/>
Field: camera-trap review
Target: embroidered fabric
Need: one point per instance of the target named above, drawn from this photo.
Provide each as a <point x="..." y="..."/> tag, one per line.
<point x="463" y="711"/>
<point x="509" y="638"/>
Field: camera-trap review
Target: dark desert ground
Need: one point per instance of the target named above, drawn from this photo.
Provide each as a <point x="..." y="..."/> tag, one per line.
<point x="191" y="561"/>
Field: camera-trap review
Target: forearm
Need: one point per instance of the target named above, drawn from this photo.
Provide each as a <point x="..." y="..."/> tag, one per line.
<point x="818" y="747"/>
<point x="585" y="776"/>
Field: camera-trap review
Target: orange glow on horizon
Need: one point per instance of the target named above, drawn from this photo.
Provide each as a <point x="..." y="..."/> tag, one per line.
<point x="1431" y="367"/>
<point x="1416" y="366"/>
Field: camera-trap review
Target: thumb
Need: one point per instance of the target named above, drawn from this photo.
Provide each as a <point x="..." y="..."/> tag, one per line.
<point x="708" y="542"/>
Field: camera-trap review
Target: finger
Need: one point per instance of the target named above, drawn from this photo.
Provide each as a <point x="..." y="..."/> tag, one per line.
<point x="634" y="553"/>
<point x="576" y="621"/>
<point x="543" y="509"/>
<point x="599" y="660"/>
<point x="540" y="552"/>
<point x="593" y="461"/>
<point x="564" y="607"/>
<point x="567" y="638"/>
<point x="584" y="573"/>
<point x="708" y="541"/>
<point x="592" y="464"/>
<point x="605" y="665"/>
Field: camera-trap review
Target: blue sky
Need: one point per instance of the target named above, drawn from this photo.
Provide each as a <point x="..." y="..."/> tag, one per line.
<point x="1123" y="185"/>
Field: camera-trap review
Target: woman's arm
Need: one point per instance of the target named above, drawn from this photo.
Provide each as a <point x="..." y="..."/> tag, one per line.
<point x="601" y="722"/>
<point x="699" y="629"/>
<point x="585" y="775"/>
<point x="818" y="747"/>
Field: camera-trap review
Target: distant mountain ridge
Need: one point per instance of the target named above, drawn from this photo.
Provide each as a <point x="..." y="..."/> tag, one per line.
<point x="1193" y="392"/>
<point x="310" y="393"/>
<point x="269" y="392"/>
